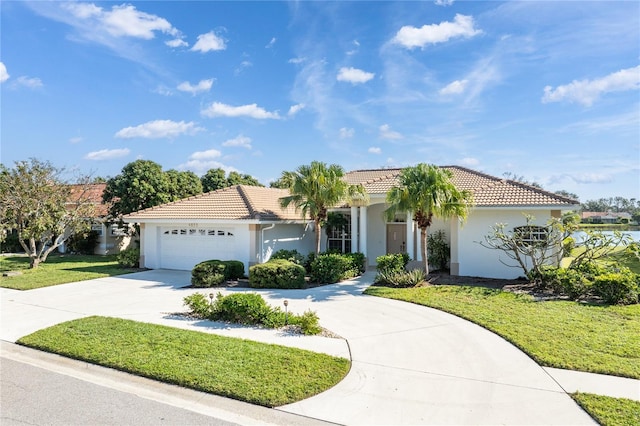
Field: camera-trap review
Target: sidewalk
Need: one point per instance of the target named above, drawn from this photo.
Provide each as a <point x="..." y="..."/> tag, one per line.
<point x="410" y="364"/>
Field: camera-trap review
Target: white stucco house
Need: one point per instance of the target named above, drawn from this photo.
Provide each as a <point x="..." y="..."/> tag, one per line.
<point x="247" y="223"/>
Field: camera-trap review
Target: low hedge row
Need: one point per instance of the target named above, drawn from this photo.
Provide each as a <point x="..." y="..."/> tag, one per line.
<point x="278" y="273"/>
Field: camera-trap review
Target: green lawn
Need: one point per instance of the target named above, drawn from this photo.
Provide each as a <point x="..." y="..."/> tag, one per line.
<point x="259" y="373"/>
<point x="58" y="269"/>
<point x="610" y="411"/>
<point x="562" y="334"/>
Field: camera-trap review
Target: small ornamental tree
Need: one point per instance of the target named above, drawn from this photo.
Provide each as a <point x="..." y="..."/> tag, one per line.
<point x="41" y="208"/>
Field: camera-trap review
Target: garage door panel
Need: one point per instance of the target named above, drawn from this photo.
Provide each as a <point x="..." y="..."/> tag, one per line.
<point x="183" y="248"/>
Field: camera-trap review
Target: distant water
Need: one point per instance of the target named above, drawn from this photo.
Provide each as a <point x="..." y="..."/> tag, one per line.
<point x="580" y="235"/>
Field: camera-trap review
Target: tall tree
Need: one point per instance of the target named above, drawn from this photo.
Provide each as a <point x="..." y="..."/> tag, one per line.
<point x="142" y="184"/>
<point x="183" y="184"/>
<point x="315" y="188"/>
<point x="427" y="191"/>
<point x="236" y="178"/>
<point x="213" y="180"/>
<point x="43" y="209"/>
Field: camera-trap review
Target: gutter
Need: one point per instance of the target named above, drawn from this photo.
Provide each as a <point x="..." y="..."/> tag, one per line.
<point x="273" y="225"/>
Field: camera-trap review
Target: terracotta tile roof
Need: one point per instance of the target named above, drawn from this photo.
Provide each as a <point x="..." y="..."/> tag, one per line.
<point x="91" y="193"/>
<point x="239" y="202"/>
<point x="488" y="191"/>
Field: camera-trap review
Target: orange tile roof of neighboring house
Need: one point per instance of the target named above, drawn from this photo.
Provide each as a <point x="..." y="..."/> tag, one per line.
<point x="488" y="191"/>
<point x="239" y="202"/>
<point x="90" y="193"/>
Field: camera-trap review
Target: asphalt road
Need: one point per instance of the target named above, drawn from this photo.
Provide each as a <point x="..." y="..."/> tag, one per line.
<point x="35" y="396"/>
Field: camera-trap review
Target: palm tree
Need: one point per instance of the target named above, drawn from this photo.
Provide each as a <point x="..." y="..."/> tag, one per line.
<point x="427" y="191"/>
<point x="315" y="188"/>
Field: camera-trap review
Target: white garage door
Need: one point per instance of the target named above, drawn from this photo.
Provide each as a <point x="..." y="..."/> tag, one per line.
<point x="183" y="248"/>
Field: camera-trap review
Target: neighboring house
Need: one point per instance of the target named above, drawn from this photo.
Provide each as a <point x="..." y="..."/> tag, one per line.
<point x="247" y="223"/>
<point x="112" y="238"/>
<point x="605" y="217"/>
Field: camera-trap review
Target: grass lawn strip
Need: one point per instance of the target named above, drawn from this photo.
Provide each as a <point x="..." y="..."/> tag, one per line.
<point x="610" y="411"/>
<point x="268" y="375"/>
<point x="561" y="334"/>
<point x="58" y="269"/>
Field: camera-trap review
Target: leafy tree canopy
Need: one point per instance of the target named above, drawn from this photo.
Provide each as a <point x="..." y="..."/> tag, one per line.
<point x="183" y="184"/>
<point x="142" y="184"/>
<point x="42" y="208"/>
<point x="216" y="179"/>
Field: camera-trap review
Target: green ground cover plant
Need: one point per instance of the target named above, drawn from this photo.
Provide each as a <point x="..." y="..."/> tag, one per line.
<point x="58" y="269"/>
<point x="562" y="334"/>
<point x="264" y="374"/>
<point x="610" y="411"/>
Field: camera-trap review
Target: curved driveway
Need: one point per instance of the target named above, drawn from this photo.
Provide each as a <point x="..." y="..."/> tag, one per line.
<point x="410" y="364"/>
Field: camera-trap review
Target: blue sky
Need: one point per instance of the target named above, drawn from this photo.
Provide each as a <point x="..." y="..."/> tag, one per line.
<point x="545" y="90"/>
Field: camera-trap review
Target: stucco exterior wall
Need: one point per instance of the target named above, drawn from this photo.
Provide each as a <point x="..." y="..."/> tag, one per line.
<point x="469" y="258"/>
<point x="285" y="237"/>
<point x="376" y="233"/>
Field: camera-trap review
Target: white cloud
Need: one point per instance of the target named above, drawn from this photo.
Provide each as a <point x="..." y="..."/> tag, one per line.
<point x="30" y="82"/>
<point x="454" y="88"/>
<point x="242" y="67"/>
<point x="76" y="139"/>
<point x="410" y="37"/>
<point x="163" y="90"/>
<point x="354" y="75"/>
<point x="202" y="161"/>
<point x="591" y="178"/>
<point x="469" y="162"/>
<point x="239" y="141"/>
<point x="387" y="133"/>
<point x="586" y="92"/>
<point x="202" y="86"/>
<point x="205" y="155"/>
<point x="122" y="21"/>
<point x="159" y="129"/>
<point x="107" y="154"/>
<point x="297" y="60"/>
<point x="218" y="109"/>
<point x="176" y="42"/>
<point x="346" y="133"/>
<point x="4" y="75"/>
<point x="443" y="2"/>
<point x="294" y="109"/>
<point x="208" y="42"/>
<point x="271" y="43"/>
<point x="374" y="150"/>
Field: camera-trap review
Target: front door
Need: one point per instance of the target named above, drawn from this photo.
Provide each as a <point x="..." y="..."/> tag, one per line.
<point x="396" y="237"/>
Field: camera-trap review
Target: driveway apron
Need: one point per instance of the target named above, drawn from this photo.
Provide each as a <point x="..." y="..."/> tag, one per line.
<point x="410" y="364"/>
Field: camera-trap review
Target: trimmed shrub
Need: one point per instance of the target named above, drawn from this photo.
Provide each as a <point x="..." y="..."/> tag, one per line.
<point x="328" y="268"/>
<point x="570" y="282"/>
<point x="277" y="273"/>
<point x="241" y="308"/>
<point x="617" y="287"/>
<point x="290" y="255"/>
<point x="210" y="273"/>
<point x="234" y="269"/>
<point x="129" y="258"/>
<point x="213" y="273"/>
<point x="357" y="262"/>
<point x="392" y="262"/>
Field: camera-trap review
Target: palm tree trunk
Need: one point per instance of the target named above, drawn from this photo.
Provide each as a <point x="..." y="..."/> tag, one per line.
<point x="423" y="248"/>
<point x="318" y="235"/>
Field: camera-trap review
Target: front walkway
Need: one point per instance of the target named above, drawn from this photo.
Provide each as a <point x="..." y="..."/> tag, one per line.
<point x="410" y="364"/>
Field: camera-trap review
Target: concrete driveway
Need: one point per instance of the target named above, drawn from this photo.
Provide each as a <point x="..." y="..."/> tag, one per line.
<point x="410" y="364"/>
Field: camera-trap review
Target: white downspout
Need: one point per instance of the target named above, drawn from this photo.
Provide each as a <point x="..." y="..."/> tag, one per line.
<point x="273" y="225"/>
